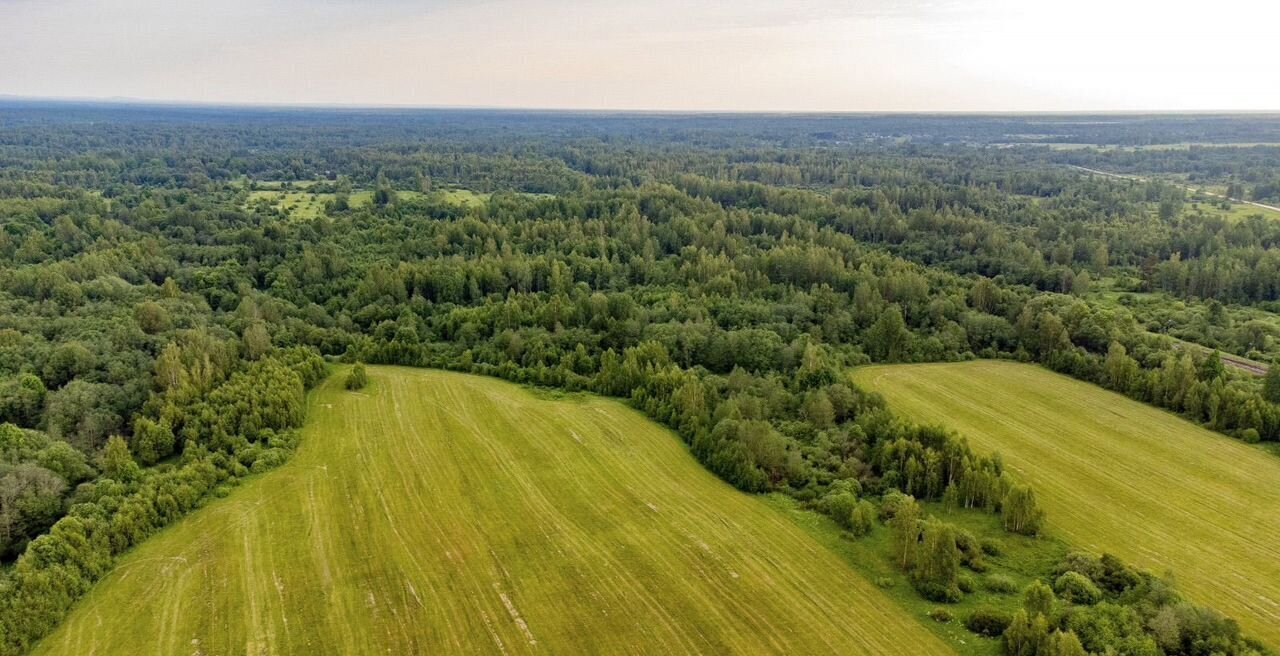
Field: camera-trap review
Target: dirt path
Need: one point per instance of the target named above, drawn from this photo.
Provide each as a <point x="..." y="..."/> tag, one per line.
<point x="1234" y="361"/>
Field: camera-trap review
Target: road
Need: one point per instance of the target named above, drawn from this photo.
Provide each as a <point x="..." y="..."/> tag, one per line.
<point x="1264" y="206"/>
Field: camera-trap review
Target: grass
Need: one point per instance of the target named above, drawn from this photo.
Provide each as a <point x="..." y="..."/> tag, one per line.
<point x="1119" y="476"/>
<point x="1237" y="211"/>
<point x="435" y="512"/>
<point x="1021" y="560"/>
<point x="300" y="204"/>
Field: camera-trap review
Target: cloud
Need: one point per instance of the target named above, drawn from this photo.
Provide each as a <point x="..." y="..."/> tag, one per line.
<point x="677" y="54"/>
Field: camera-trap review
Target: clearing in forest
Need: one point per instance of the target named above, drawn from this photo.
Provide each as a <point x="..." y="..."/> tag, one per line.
<point x="441" y="513"/>
<point x="1117" y="475"/>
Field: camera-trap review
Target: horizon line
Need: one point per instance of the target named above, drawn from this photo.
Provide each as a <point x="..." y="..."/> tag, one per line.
<point x="288" y="105"/>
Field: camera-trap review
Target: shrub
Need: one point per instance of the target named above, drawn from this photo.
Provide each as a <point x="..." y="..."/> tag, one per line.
<point x="1000" y="583"/>
<point x="1077" y="589"/>
<point x="988" y="622"/>
<point x="357" y="378"/>
<point x="863" y="518"/>
<point x="940" y="615"/>
<point x="966" y="582"/>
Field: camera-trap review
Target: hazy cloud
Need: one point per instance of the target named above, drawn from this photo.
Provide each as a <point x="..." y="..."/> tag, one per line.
<point x="693" y="54"/>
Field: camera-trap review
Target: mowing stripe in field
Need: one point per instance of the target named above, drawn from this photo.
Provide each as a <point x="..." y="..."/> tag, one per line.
<point x="439" y="513"/>
<point x="1117" y="475"/>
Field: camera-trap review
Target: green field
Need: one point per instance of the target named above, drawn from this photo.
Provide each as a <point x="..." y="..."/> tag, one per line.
<point x="436" y="513"/>
<point x="301" y="204"/>
<point x="1119" y="476"/>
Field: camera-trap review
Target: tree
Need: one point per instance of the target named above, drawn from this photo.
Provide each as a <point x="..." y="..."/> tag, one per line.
<point x="936" y="570"/>
<point x="904" y="527"/>
<point x="257" y="341"/>
<point x="1271" y="384"/>
<point x="152" y="318"/>
<point x="117" y="461"/>
<point x="1065" y="643"/>
<point x="152" y="440"/>
<point x="1026" y="635"/>
<point x="10" y="440"/>
<point x="1121" y="371"/>
<point x="1038" y="599"/>
<point x="1020" y="512"/>
<point x="983" y="295"/>
<point x="1077" y="588"/>
<point x="887" y="339"/>
<point x="863" y="518"/>
<point x="1212" y="367"/>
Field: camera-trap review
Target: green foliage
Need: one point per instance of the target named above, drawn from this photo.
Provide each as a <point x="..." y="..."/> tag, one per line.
<point x="719" y="277"/>
<point x="1077" y="588"/>
<point x="1038" y="599"/>
<point x="117" y="462"/>
<point x="1020" y="512"/>
<point x="1000" y="584"/>
<point x="356" y="378"/>
<point x="988" y="622"/>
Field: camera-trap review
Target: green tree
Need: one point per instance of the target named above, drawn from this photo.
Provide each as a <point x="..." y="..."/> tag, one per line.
<point x="1020" y="512"/>
<point x="904" y="527"/>
<point x="152" y="318"/>
<point x="936" y="570"/>
<point x="1026" y="635"/>
<point x="1271" y="384"/>
<point x="1038" y="599"/>
<point x="117" y="461"/>
<point x="257" y="341"/>
<point x="887" y="339"/>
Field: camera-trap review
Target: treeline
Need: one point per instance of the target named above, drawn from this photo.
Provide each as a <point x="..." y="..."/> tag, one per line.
<point x="245" y="423"/>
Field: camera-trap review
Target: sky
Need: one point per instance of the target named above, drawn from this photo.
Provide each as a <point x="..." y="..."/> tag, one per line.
<point x="705" y="55"/>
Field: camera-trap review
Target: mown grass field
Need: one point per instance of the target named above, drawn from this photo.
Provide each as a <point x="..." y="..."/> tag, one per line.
<point x="1116" y="475"/>
<point x="439" y="513"/>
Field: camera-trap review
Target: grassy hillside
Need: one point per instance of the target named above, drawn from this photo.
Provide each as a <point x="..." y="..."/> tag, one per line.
<point x="434" y="512"/>
<point x="1119" y="476"/>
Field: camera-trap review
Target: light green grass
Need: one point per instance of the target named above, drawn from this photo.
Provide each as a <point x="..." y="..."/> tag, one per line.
<point x="439" y="513"/>
<point x="304" y="205"/>
<point x="1022" y="559"/>
<point x="1119" y="476"/>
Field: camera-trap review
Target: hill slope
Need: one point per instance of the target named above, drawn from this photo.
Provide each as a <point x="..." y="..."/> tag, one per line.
<point x="441" y="513"/>
<point x="1116" y="475"/>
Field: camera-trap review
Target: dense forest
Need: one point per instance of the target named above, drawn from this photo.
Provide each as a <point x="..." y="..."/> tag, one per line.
<point x="164" y="309"/>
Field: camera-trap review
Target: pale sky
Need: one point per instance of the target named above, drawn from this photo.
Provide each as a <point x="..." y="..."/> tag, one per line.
<point x="746" y="55"/>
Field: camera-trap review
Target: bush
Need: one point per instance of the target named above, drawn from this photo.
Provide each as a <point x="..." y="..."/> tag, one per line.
<point x="863" y="518"/>
<point x="966" y="582"/>
<point x="940" y="592"/>
<point x="1000" y="583"/>
<point x="988" y="622"/>
<point x="1077" y="589"/>
<point x="940" y="615"/>
<point x="357" y="378"/>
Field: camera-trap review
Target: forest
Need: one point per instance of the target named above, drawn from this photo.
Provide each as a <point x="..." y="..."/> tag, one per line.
<point x="159" y="331"/>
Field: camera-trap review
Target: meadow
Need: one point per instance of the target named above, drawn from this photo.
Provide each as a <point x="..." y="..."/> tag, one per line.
<point x="1118" y="476"/>
<point x="299" y="203"/>
<point x="436" y="512"/>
